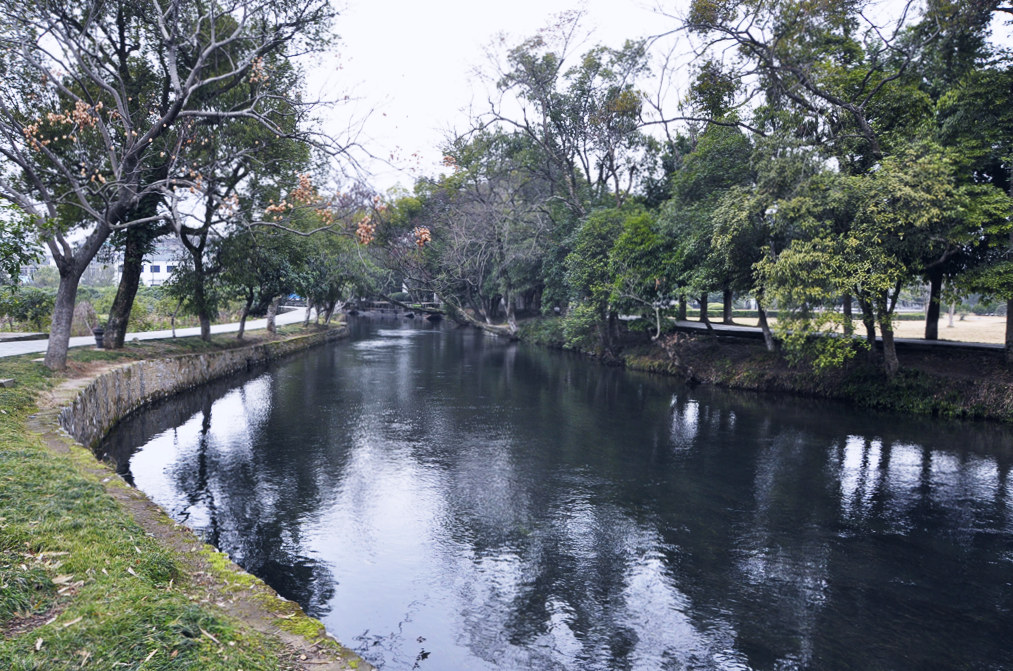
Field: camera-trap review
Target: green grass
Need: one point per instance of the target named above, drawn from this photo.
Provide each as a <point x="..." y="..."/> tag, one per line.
<point x="81" y="584"/>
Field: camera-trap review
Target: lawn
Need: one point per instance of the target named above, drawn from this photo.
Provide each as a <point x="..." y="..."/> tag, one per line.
<point x="84" y="585"/>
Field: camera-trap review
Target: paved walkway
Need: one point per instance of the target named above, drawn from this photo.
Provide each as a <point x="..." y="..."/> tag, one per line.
<point x="30" y="346"/>
<point x="907" y="343"/>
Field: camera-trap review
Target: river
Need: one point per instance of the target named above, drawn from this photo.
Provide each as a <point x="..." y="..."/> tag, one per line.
<point x="443" y="500"/>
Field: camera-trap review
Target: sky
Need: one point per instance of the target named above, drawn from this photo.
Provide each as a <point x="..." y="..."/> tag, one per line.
<point x="410" y="65"/>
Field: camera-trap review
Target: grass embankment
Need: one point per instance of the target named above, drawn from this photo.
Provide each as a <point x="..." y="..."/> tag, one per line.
<point x="944" y="383"/>
<point x="92" y="575"/>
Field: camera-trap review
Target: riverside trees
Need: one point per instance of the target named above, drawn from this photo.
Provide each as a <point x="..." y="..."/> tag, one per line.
<point x="831" y="154"/>
<point x="862" y="100"/>
<point x="100" y="103"/>
<point x="824" y="157"/>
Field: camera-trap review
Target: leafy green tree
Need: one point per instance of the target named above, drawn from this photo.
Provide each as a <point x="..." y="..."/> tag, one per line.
<point x="330" y="273"/>
<point x="585" y="119"/>
<point x="257" y="266"/>
<point x="485" y="226"/>
<point x="593" y="322"/>
<point x="17" y="248"/>
<point x="249" y="172"/>
<point x="976" y="119"/>
<point x="639" y="265"/>
<point x="719" y="162"/>
<point x="891" y="216"/>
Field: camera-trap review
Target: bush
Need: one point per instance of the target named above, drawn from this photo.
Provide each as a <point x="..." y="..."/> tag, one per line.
<point x="84" y="319"/>
<point x="580" y="328"/>
<point x="29" y="307"/>
<point x="546" y="331"/>
<point x="984" y="307"/>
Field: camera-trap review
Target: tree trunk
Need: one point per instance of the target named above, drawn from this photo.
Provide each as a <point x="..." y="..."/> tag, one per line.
<point x="932" y="309"/>
<point x="63" y="317"/>
<point x="849" y="323"/>
<point x="680" y="314"/>
<point x="172" y="320"/>
<point x="130" y="279"/>
<point x="768" y="336"/>
<point x="613" y="332"/>
<point x="890" y="361"/>
<point x="1009" y="331"/>
<point x="272" y="311"/>
<point x="71" y="264"/>
<point x="1009" y="301"/>
<point x="703" y="308"/>
<point x="511" y="313"/>
<point x="869" y="321"/>
<point x="309" y="308"/>
<point x="726" y="299"/>
<point x="246" y="312"/>
<point x="200" y="295"/>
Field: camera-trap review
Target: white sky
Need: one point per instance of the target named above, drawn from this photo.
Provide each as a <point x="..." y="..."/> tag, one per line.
<point x="411" y="63"/>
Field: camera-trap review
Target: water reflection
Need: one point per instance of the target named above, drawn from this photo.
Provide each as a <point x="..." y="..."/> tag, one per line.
<point x="498" y="507"/>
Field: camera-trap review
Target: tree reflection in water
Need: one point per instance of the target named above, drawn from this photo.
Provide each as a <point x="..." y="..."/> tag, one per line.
<point x="502" y="507"/>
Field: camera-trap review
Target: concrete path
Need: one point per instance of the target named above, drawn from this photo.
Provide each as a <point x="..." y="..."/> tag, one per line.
<point x="30" y="346"/>
<point x="754" y="332"/>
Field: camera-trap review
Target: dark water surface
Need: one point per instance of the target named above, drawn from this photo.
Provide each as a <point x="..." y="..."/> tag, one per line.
<point x="503" y="507"/>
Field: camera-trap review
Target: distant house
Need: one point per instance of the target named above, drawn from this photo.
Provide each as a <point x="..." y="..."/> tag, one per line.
<point x="160" y="264"/>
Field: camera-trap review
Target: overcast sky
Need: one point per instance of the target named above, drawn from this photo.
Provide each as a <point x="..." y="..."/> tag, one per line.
<point x="412" y="64"/>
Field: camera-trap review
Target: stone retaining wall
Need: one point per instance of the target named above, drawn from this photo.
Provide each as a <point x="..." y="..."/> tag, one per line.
<point x="121" y="391"/>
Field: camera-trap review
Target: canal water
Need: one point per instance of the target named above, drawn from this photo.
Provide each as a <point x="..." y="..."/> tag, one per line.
<point x="444" y="500"/>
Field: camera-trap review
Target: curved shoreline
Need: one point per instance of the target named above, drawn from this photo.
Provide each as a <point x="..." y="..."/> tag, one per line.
<point x="125" y="389"/>
<point x="949" y="383"/>
<point x="953" y="381"/>
<point x="80" y="412"/>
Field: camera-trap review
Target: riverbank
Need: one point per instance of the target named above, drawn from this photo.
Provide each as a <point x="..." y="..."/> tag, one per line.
<point x="944" y="382"/>
<point x="96" y="576"/>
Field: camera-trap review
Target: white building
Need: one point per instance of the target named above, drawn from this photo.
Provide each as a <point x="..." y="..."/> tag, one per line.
<point x="160" y="264"/>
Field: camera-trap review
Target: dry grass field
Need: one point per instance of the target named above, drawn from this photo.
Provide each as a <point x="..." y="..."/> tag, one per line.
<point x="972" y="328"/>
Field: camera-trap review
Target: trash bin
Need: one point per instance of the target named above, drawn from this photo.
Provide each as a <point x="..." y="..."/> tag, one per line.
<point x="98" y="332"/>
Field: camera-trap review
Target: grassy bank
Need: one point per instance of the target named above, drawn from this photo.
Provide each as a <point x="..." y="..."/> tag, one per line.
<point x="94" y="576"/>
<point x="955" y="384"/>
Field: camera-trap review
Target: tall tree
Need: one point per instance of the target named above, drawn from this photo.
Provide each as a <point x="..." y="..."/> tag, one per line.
<point x="585" y="118"/>
<point x="719" y="162"/>
<point x="976" y="119"/>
